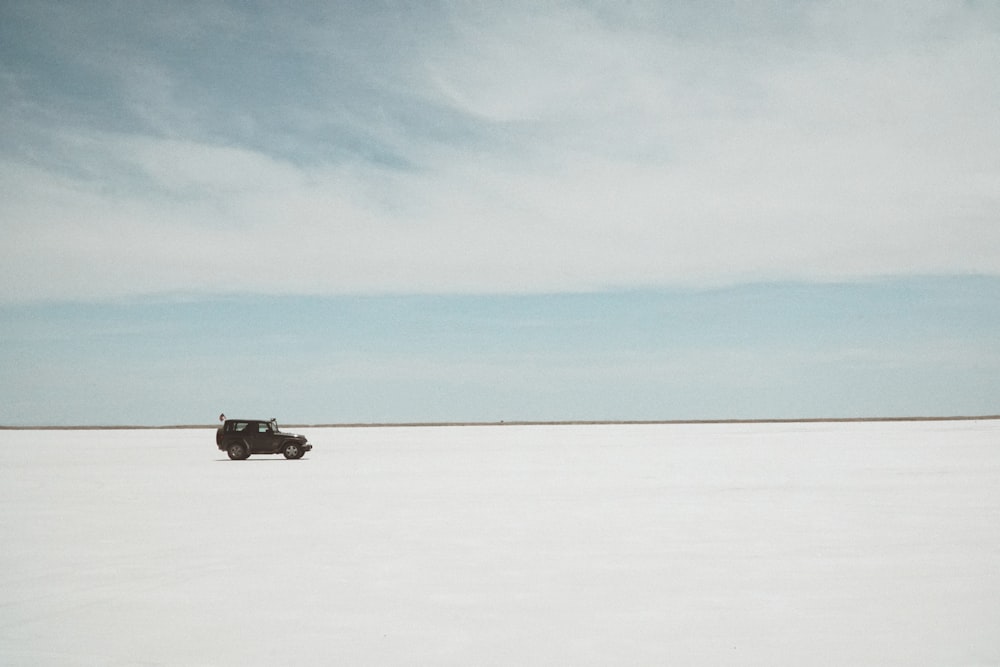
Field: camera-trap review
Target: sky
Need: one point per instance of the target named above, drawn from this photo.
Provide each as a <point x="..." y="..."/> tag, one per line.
<point x="385" y="211"/>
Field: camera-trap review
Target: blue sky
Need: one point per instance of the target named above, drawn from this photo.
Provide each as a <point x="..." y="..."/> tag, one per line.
<point x="914" y="347"/>
<point x="468" y="210"/>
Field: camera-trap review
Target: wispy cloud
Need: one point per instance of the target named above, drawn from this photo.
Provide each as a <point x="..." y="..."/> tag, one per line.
<point x="471" y="147"/>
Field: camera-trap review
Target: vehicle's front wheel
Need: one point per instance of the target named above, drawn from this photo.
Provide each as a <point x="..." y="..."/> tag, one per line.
<point x="293" y="451"/>
<point x="237" y="451"/>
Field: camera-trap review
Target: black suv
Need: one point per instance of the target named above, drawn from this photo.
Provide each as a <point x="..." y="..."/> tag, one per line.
<point x="242" y="437"/>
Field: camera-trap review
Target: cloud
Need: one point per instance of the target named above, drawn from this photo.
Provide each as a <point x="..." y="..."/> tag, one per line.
<point x="479" y="148"/>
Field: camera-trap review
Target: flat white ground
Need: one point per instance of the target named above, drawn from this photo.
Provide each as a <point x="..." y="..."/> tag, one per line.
<point x="767" y="544"/>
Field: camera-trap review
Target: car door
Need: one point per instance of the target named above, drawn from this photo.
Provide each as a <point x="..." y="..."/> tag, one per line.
<point x="265" y="438"/>
<point x="261" y="438"/>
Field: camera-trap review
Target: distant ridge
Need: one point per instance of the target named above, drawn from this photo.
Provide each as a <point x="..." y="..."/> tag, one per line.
<point x="626" y="422"/>
<point x="569" y="422"/>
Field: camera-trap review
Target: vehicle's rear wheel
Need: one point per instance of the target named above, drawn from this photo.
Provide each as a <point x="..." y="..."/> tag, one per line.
<point x="237" y="451"/>
<point x="293" y="451"/>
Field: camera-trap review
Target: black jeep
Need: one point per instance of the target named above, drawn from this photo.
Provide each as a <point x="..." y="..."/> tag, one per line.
<point x="242" y="437"/>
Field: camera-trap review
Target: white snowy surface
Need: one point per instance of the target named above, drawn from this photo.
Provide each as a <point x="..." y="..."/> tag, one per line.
<point x="766" y="544"/>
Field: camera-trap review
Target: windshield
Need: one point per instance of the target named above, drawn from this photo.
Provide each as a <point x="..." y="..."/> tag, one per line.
<point x="274" y="425"/>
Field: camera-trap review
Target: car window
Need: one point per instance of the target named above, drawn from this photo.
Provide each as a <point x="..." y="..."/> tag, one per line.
<point x="238" y="426"/>
<point x="263" y="428"/>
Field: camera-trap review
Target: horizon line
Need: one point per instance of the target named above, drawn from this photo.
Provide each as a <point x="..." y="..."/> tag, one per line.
<point x="559" y="422"/>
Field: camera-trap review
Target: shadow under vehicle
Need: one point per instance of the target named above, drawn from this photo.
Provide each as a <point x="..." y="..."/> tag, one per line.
<point x="240" y="438"/>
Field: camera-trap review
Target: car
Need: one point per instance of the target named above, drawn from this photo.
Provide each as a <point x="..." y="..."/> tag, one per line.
<point x="240" y="438"/>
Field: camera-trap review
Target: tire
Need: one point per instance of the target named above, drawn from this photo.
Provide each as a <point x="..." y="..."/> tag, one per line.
<point x="292" y="450"/>
<point x="238" y="451"/>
